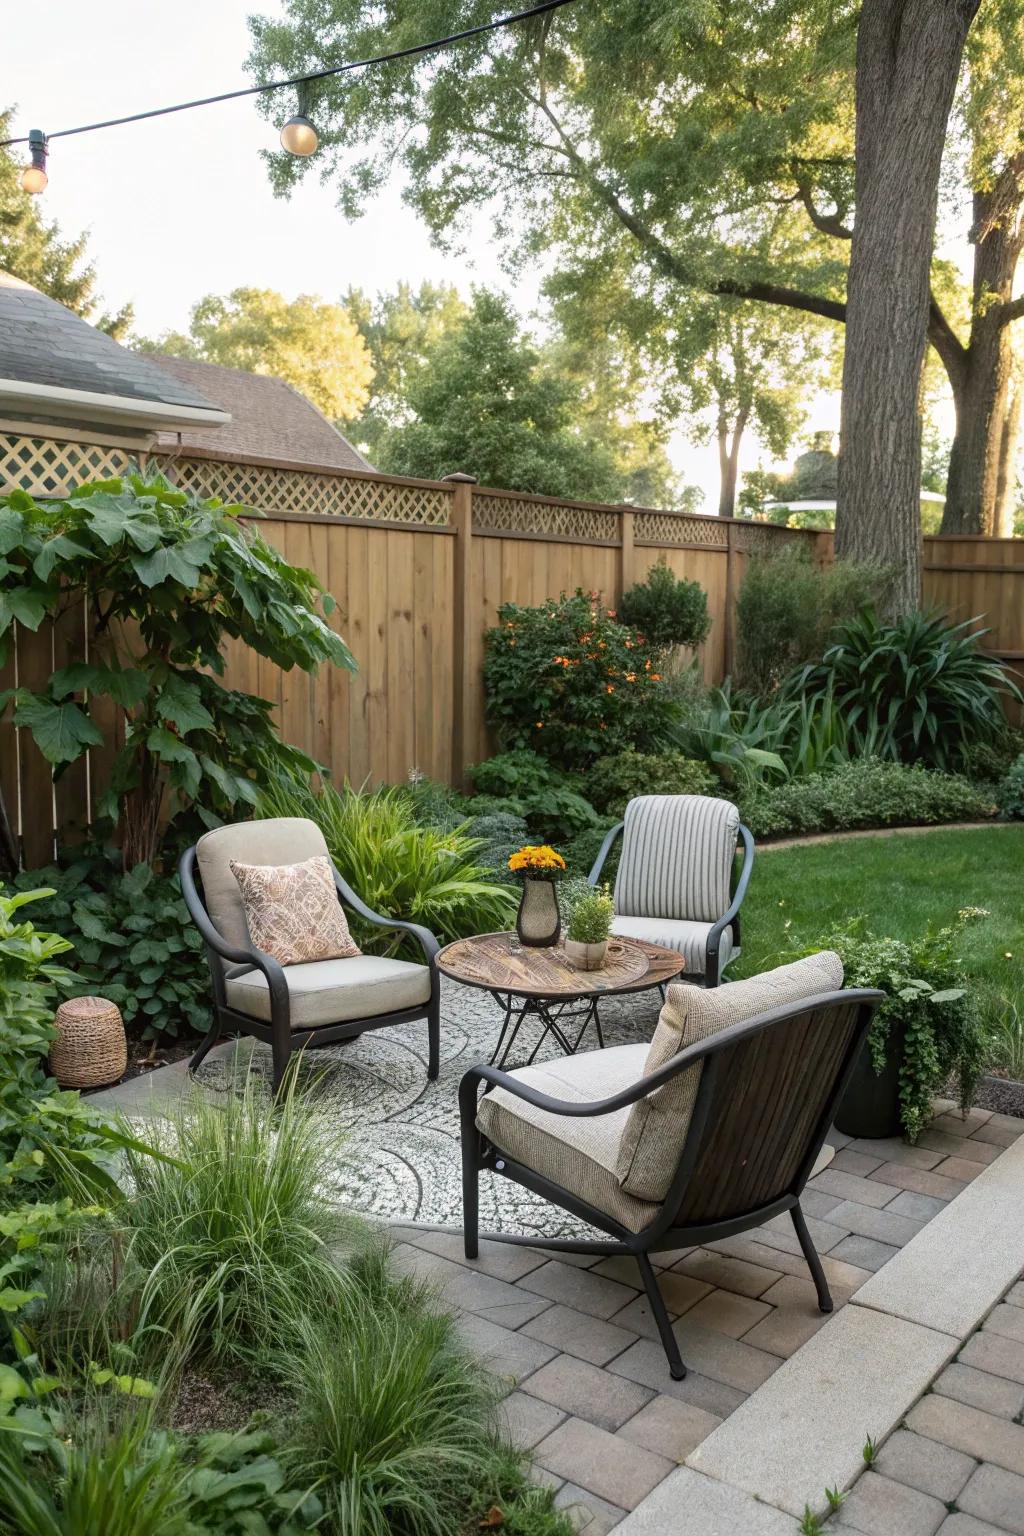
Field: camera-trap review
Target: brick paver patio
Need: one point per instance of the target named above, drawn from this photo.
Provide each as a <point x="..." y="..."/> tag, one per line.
<point x="956" y="1467"/>
<point x="590" y="1391"/>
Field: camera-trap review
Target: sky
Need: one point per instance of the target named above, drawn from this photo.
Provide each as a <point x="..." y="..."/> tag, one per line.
<point x="180" y="206"/>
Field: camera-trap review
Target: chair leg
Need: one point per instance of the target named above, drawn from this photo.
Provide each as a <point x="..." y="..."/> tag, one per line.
<point x="281" y="1051"/>
<point x="813" y="1262"/>
<point x="470" y="1193"/>
<point x="206" y="1045"/>
<point x="434" y="1037"/>
<point x="677" y="1370"/>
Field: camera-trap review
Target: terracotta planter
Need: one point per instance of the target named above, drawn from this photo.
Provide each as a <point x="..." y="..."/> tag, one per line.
<point x="586" y="957"/>
<point x="538" y="921"/>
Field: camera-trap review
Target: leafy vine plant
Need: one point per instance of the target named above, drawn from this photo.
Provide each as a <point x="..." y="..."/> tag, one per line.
<point x="167" y="579"/>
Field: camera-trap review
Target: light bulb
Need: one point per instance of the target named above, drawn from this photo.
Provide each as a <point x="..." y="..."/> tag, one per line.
<point x="34" y="179"/>
<point x="299" y="137"/>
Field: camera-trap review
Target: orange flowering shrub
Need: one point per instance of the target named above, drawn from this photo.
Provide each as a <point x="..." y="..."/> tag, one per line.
<point x="571" y="682"/>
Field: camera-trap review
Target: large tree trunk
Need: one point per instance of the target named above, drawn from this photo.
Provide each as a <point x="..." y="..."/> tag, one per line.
<point x="908" y="59"/>
<point x="977" y="491"/>
<point x="728" y="462"/>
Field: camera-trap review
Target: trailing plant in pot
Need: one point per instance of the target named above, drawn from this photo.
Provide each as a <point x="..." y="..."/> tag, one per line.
<point x="928" y="1029"/>
<point x="590" y="921"/>
<point x="538" y="921"/>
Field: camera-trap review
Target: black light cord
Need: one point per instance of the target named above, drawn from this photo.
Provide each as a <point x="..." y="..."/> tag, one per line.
<point x="322" y="74"/>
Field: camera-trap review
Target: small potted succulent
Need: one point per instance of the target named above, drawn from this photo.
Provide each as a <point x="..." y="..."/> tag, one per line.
<point x="590" y="920"/>
<point x="538" y="921"/>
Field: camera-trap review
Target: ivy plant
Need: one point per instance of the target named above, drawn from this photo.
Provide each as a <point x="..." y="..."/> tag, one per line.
<point x="168" y="578"/>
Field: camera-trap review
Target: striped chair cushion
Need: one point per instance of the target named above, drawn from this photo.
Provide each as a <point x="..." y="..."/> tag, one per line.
<point x="677" y="856"/>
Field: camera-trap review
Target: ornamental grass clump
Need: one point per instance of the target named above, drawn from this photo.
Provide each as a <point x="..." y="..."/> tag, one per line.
<point x="240" y="1226"/>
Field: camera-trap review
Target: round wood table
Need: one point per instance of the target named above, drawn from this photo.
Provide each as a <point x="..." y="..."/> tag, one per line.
<point x="541" y="982"/>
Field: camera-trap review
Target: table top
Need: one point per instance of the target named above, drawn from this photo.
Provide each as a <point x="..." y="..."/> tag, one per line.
<point x="487" y="960"/>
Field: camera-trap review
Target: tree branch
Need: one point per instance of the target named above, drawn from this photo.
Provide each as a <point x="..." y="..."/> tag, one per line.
<point x="946" y="342"/>
<point x="1014" y="310"/>
<point x="828" y="223"/>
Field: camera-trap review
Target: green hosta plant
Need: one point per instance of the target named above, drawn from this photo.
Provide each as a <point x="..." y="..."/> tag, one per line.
<point x="916" y="690"/>
<point x="168" y="579"/>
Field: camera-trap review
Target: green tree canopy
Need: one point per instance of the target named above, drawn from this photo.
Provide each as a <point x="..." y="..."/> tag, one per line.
<point x="488" y="405"/>
<point x="314" y="346"/>
<point x="35" y="250"/>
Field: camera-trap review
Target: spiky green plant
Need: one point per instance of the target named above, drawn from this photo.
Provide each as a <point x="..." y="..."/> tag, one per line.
<point x="426" y="874"/>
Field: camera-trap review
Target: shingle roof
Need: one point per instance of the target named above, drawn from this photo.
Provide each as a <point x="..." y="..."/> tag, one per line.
<point x="41" y="342"/>
<point x="269" y="419"/>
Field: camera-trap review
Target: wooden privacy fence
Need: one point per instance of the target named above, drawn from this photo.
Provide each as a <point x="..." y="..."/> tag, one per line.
<point x="419" y="569"/>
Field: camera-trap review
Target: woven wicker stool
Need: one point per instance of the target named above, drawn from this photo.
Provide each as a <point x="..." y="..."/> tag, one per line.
<point x="91" y="1049"/>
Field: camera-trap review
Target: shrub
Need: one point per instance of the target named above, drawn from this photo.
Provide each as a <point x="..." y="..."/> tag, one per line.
<point x="581" y="852"/>
<point x="499" y="834"/>
<point x="667" y="609"/>
<point x="170" y="579"/>
<point x="134" y="941"/>
<point x="862" y="794"/>
<point x="523" y="784"/>
<point x="568" y="681"/>
<point x="930" y="1001"/>
<point x="93" y="1469"/>
<point x="590" y="915"/>
<point x="1010" y="794"/>
<point x="740" y="737"/>
<point x="786" y="608"/>
<point x="613" y="781"/>
<point x="400" y="869"/>
<point x="916" y="690"/>
<point x="516" y="774"/>
<point x="236" y="1227"/>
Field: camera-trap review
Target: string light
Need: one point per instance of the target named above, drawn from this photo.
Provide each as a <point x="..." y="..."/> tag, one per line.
<point x="299" y="135"/>
<point x="34" y="177"/>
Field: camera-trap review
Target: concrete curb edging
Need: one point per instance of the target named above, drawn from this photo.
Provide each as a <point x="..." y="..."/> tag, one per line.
<point x="805" y="1428"/>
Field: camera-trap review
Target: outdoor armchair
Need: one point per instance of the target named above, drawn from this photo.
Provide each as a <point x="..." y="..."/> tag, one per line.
<point x="711" y="1131"/>
<point x="315" y="1003"/>
<point x="674" y="881"/>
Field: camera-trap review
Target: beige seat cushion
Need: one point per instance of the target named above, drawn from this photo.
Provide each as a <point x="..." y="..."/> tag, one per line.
<point x="655" y="1130"/>
<point x="280" y="840"/>
<point x="292" y="911"/>
<point x="333" y="991"/>
<point x="690" y="939"/>
<point x="578" y="1154"/>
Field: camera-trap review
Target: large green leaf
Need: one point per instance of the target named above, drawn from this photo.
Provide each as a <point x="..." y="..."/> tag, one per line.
<point x="180" y="702"/>
<point x="115" y="517"/>
<point x="168" y="563"/>
<point x="12" y="529"/>
<point x="62" y="732"/>
<point x="53" y="550"/>
<point x="171" y="748"/>
<point x="28" y="605"/>
<point x="127" y="686"/>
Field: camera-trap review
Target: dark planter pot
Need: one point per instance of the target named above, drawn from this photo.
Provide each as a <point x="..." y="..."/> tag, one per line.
<point x="870" y="1107"/>
<point x="538" y="921"/>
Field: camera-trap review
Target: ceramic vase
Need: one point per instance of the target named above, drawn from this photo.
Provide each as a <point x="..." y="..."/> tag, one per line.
<point x="586" y="957"/>
<point x="538" y="922"/>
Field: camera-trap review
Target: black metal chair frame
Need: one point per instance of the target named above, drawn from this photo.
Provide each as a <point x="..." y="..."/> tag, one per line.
<point x="479" y="1154"/>
<point x="730" y="918"/>
<point x="278" y="1033"/>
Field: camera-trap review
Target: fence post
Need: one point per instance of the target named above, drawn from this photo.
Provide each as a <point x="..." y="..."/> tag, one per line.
<point x="727" y="648"/>
<point x="627" y="553"/>
<point x="462" y="574"/>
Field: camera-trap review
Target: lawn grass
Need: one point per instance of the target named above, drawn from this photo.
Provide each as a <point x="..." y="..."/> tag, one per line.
<point x="901" y="883"/>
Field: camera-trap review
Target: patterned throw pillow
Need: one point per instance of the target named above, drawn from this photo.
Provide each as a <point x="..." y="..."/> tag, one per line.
<point x="293" y="912"/>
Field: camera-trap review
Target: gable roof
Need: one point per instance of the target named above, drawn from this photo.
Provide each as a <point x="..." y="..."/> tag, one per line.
<point x="269" y="419"/>
<point x="54" y="364"/>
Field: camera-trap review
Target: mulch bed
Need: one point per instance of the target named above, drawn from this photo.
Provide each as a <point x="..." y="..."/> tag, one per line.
<point x="1003" y="1095"/>
<point x="205" y="1403"/>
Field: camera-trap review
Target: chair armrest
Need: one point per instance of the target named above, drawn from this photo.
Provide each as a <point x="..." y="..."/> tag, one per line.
<point x="729" y="917"/>
<point x="606" y="847"/>
<point x="271" y="968"/>
<point x="694" y="1055"/>
<point x="423" y="936"/>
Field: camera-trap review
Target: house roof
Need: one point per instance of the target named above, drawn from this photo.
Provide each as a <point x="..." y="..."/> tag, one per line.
<point x="269" y="419"/>
<point x="54" y="364"/>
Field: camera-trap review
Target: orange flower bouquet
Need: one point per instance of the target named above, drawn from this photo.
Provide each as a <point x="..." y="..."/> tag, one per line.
<point x="538" y="861"/>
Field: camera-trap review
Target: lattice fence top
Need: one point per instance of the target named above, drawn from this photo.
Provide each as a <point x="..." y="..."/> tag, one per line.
<point x="317" y="495"/>
<point x="513" y="514"/>
<point x="47" y="468"/>
<point x="669" y="528"/>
